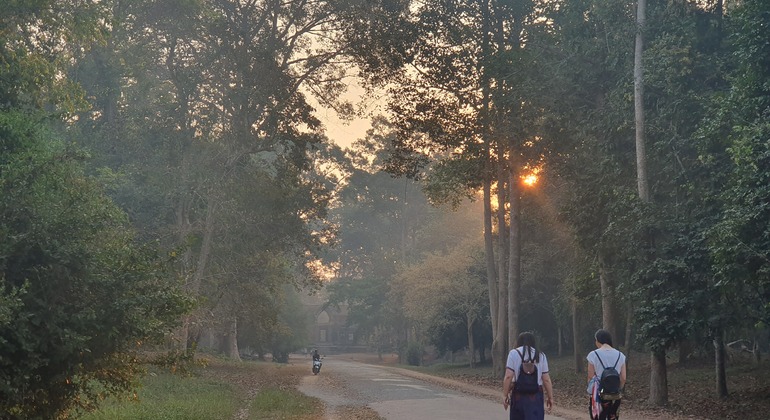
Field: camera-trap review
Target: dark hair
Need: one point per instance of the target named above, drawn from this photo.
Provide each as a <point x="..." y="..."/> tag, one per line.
<point x="603" y="337"/>
<point x="527" y="339"/>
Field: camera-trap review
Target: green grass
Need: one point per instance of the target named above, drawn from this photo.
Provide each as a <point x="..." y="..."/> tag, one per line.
<point x="172" y="397"/>
<point x="273" y="403"/>
<point x="217" y="392"/>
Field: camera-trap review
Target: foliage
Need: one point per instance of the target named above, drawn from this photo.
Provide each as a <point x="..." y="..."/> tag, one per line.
<point x="378" y="219"/>
<point x="740" y="240"/>
<point x="414" y="351"/>
<point x="683" y="65"/>
<point x="203" y="128"/>
<point x="444" y="290"/>
<point x="292" y="329"/>
<point x="84" y="294"/>
<point x="37" y="39"/>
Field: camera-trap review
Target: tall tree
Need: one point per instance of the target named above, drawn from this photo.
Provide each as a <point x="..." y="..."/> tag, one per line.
<point x="733" y="143"/>
<point x="378" y="217"/>
<point x="453" y="101"/>
<point x="591" y="72"/>
<point x="441" y="281"/>
<point x="81" y="290"/>
<point x="220" y="87"/>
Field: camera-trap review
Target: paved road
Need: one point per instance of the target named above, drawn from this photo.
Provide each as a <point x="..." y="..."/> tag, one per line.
<point x="393" y="395"/>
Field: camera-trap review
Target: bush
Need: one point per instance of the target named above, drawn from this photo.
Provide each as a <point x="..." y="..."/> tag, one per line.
<point x="414" y="354"/>
<point x="82" y="294"/>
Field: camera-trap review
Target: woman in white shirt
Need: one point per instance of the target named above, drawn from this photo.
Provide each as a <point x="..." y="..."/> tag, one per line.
<point x="605" y="356"/>
<point x="527" y="405"/>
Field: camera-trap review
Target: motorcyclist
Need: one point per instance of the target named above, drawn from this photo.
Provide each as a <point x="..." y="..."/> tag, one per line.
<point x="316" y="356"/>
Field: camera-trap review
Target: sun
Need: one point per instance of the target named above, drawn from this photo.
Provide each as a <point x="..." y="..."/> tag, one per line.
<point x="531" y="175"/>
<point x="529" y="180"/>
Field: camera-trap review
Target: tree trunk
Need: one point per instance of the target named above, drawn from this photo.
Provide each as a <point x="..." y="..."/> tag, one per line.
<point x="641" y="154"/>
<point x="500" y="342"/>
<point x="719" y="358"/>
<point x="404" y="221"/>
<point x="684" y="351"/>
<point x="183" y="229"/>
<point x="576" y="350"/>
<point x="501" y="339"/>
<point x="497" y="363"/>
<point x="182" y="207"/>
<point x="609" y="318"/>
<point x="378" y="334"/>
<point x="471" y="349"/>
<point x="756" y="351"/>
<point x="628" y="342"/>
<point x="231" y="341"/>
<point x="514" y="256"/>
<point x="658" y="378"/>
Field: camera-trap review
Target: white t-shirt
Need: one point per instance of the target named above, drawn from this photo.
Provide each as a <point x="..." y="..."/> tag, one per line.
<point x="608" y="357"/>
<point x="514" y="362"/>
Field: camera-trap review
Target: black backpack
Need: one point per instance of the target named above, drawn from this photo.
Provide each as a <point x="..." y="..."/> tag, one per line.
<point x="526" y="380"/>
<point x="609" y="381"/>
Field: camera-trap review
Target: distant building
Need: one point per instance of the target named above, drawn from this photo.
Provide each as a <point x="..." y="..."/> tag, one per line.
<point x="329" y="332"/>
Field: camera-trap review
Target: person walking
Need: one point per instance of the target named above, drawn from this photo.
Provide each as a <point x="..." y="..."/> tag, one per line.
<point x="527" y="383"/>
<point x="606" y="378"/>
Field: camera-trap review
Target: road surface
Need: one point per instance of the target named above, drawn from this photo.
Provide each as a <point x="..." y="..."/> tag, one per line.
<point x="395" y="394"/>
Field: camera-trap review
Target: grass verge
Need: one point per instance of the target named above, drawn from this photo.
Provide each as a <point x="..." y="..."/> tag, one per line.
<point x="164" y="396"/>
<point x="273" y="403"/>
<point x="221" y="390"/>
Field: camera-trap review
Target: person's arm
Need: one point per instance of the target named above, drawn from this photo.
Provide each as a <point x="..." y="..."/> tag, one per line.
<point x="623" y="376"/>
<point x="507" y="383"/>
<point x="592" y="371"/>
<point x="548" y="388"/>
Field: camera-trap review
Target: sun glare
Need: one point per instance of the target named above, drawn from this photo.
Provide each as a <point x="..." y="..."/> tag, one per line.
<point x="529" y="180"/>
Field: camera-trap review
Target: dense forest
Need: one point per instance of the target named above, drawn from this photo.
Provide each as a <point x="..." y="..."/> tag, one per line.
<point x="540" y="165"/>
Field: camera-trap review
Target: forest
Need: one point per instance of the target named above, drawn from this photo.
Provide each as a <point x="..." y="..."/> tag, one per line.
<point x="552" y="166"/>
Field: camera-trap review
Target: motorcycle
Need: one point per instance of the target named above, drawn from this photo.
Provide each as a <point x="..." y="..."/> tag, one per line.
<point x="316" y="366"/>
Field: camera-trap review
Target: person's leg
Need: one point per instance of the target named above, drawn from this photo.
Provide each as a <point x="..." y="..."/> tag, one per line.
<point x="537" y="409"/>
<point x="515" y="409"/>
<point x="594" y="408"/>
<point x="614" y="409"/>
<point x="606" y="409"/>
<point x="527" y="407"/>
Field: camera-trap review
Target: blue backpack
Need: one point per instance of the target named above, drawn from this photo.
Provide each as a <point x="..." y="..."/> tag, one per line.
<point x="526" y="380"/>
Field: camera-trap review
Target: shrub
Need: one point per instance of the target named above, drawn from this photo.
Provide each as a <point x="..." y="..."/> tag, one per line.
<point x="82" y="294"/>
<point x="414" y="354"/>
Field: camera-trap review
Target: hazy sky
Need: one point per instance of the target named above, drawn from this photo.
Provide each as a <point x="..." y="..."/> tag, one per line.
<point x="345" y="133"/>
<point x="341" y="132"/>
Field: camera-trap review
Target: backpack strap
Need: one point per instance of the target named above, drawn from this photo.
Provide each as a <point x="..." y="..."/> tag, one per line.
<point x="600" y="359"/>
<point x="617" y="361"/>
<point x="605" y="367"/>
<point x="529" y="351"/>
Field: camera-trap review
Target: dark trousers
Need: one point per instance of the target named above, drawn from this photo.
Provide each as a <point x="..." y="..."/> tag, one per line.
<point x="527" y="406"/>
<point x="609" y="410"/>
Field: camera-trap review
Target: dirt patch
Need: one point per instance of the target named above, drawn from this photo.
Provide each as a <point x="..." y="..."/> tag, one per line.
<point x="353" y="413"/>
<point x="248" y="379"/>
